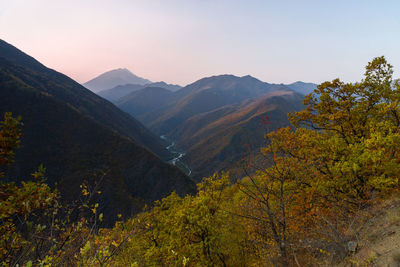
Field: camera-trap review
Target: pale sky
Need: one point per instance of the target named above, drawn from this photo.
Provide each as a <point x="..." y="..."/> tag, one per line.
<point x="181" y="41"/>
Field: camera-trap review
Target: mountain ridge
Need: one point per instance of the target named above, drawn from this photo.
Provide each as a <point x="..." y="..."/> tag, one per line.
<point x="207" y="94"/>
<point x="122" y="91"/>
<point x="69" y="130"/>
<point x="238" y="130"/>
<point x="214" y="118"/>
<point x="83" y="99"/>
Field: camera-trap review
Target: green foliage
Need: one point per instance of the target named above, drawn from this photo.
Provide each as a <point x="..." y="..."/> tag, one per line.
<point x="18" y="204"/>
<point x="356" y="140"/>
<point x="77" y="134"/>
<point x="34" y="227"/>
<point x="192" y="231"/>
<point x="346" y="149"/>
<point x="9" y="138"/>
<point x="301" y="209"/>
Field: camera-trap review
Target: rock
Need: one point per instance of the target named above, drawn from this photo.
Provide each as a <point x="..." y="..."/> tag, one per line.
<point x="352" y="246"/>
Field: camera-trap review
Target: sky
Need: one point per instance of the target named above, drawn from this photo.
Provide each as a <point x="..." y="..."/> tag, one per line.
<point x="181" y="41"/>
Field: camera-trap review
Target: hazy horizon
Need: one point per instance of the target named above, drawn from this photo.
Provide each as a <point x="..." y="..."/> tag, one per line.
<point x="180" y="41"/>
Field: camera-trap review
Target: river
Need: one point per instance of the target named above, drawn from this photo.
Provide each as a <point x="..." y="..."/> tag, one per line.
<point x="176" y="161"/>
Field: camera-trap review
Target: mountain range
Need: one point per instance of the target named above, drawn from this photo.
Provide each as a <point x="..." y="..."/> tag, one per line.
<point x="229" y="133"/>
<point x="123" y="88"/>
<point x="214" y="120"/>
<point x="120" y="91"/>
<point x="79" y="136"/>
<point x="207" y="126"/>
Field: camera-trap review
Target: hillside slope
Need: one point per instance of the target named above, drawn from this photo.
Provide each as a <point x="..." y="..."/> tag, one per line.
<point x="215" y="120"/>
<point x="233" y="131"/>
<point x="378" y="238"/>
<point x="31" y="72"/>
<point x="206" y="95"/>
<point x="121" y="91"/>
<point x="139" y="102"/>
<point x="201" y="96"/>
<point x="302" y="87"/>
<point x="70" y="131"/>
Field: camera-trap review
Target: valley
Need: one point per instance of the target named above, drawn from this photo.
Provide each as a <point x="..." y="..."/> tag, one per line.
<point x="178" y="155"/>
<point x="199" y="133"/>
<point x="216" y="159"/>
<point x="214" y="120"/>
<point x="173" y="136"/>
<point x="81" y="138"/>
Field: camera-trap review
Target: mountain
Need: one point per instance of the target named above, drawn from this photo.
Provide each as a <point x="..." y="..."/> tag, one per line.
<point x="120" y="91"/>
<point x="114" y="78"/>
<point x="65" y="89"/>
<point x="225" y="135"/>
<point x="205" y="95"/>
<point x="79" y="136"/>
<point x="302" y="87"/>
<point x="214" y="120"/>
<point x="148" y="98"/>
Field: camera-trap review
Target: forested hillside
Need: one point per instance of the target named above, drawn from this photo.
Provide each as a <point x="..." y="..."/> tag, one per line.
<point x="214" y="121"/>
<point x="81" y="138"/>
<point x="306" y="205"/>
<point x="233" y="132"/>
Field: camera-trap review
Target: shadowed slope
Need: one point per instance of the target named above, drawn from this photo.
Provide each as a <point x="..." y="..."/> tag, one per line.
<point x="31" y="72"/>
<point x="70" y="131"/>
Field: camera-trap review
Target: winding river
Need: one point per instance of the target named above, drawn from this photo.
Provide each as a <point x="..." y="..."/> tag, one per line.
<point x="177" y="157"/>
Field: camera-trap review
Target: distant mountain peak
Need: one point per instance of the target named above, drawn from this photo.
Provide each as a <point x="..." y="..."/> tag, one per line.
<point x="113" y="78"/>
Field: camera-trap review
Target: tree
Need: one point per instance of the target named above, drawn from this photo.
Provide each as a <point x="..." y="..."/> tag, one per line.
<point x="19" y="205"/>
<point x="198" y="230"/>
<point x="341" y="156"/>
<point x="274" y="203"/>
<point x="34" y="227"/>
<point x="356" y="138"/>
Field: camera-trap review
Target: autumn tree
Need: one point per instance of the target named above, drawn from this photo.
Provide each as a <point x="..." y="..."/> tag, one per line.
<point x="341" y="155"/>
<point x="355" y="133"/>
<point x="272" y="200"/>
<point x="198" y="230"/>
